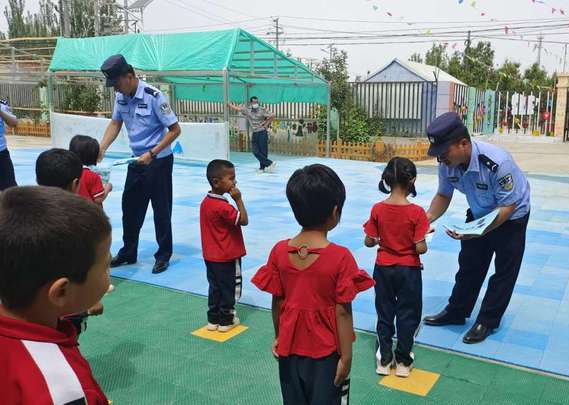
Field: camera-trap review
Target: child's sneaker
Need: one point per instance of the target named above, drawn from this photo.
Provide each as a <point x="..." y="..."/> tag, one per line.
<point x="401" y="370"/>
<point x="227" y="328"/>
<point x="111" y="289"/>
<point x="271" y="167"/>
<point x="260" y="171"/>
<point x="382" y="367"/>
<point x="212" y="327"/>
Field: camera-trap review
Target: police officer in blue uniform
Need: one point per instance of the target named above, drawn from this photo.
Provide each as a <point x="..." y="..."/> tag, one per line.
<point x="490" y="179"/>
<point x="7" y="176"/>
<point x="152" y="127"/>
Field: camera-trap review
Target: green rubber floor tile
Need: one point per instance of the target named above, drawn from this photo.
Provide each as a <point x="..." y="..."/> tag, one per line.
<point x="453" y="391"/>
<point x="508" y="398"/>
<point x="511" y="380"/>
<point x="556" y="391"/>
<point x="142" y="352"/>
<point x="471" y="371"/>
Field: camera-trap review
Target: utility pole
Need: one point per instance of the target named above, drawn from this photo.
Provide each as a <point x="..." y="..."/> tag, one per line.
<point x="64" y="15"/>
<point x="97" y="16"/>
<point x="126" y="16"/>
<point x="278" y="31"/>
<point x="466" y="49"/>
<point x="539" y="47"/>
<point x="565" y="59"/>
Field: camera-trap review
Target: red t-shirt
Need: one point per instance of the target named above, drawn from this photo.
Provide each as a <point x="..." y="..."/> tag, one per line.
<point x="222" y="239"/>
<point x="43" y="366"/>
<point x="90" y="185"/>
<point x="307" y="322"/>
<point x="398" y="228"/>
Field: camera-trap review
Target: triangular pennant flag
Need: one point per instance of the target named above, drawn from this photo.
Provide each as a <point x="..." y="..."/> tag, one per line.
<point x="482" y="14"/>
<point x="553" y="10"/>
<point x="375" y="7"/>
<point x="506" y="29"/>
<point x="178" y="150"/>
<point x="389" y="14"/>
<point x="562" y="11"/>
<point x="473" y="4"/>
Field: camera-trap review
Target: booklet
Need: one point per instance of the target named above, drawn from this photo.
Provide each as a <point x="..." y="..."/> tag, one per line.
<point x="128" y="161"/>
<point x="476" y="227"/>
<point x="103" y="171"/>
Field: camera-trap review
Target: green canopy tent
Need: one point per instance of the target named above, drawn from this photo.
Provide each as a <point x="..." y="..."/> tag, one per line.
<point x="218" y="66"/>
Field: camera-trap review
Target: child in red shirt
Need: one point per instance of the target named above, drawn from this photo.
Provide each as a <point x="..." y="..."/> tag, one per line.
<point x="222" y="244"/>
<point x="91" y="186"/>
<point x="41" y="280"/>
<point x="398" y="227"/>
<point x="313" y="283"/>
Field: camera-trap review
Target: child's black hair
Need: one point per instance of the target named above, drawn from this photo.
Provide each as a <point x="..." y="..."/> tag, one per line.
<point x="86" y="148"/>
<point x="313" y="192"/>
<point x="400" y="172"/>
<point x="215" y="169"/>
<point x="253" y="98"/>
<point x="44" y="235"/>
<point x="58" y="168"/>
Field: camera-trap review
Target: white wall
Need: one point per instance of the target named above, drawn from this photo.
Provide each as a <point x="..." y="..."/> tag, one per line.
<point x="199" y="141"/>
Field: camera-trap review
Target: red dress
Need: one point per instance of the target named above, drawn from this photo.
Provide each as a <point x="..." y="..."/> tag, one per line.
<point x="307" y="322"/>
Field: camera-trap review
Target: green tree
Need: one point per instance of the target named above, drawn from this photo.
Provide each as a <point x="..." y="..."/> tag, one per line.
<point x="416" y="57"/>
<point x="335" y="70"/>
<point x="478" y="65"/>
<point x="437" y="56"/>
<point x="535" y="79"/>
<point x="45" y="23"/>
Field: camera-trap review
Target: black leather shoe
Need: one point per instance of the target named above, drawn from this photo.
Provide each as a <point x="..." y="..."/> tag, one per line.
<point x="160" y="266"/>
<point x="119" y="261"/>
<point x="443" y="318"/>
<point x="478" y="333"/>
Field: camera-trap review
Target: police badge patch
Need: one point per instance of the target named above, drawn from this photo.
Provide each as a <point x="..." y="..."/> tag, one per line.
<point x="506" y="182"/>
<point x="165" y="108"/>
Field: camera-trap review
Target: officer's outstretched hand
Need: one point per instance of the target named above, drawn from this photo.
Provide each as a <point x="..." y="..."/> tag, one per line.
<point x="144" y="159"/>
<point x="458" y="236"/>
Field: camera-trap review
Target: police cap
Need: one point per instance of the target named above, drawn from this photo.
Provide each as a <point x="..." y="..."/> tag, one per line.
<point x="114" y="67"/>
<point x="443" y="131"/>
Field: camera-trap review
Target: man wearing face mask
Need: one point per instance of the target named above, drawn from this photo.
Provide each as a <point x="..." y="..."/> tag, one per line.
<point x="490" y="179"/>
<point x="259" y="120"/>
<point x="152" y="127"/>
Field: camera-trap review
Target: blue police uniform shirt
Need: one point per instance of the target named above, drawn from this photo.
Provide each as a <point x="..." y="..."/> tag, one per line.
<point x="147" y="116"/>
<point x="487" y="188"/>
<point x="5" y="108"/>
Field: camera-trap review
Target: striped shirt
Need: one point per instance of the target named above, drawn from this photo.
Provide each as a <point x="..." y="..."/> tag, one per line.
<point x="43" y="366"/>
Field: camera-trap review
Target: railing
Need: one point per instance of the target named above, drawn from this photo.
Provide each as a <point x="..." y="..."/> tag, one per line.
<point x="377" y="151"/>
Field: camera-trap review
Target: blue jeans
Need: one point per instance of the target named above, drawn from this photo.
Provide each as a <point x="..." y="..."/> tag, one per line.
<point x="260" y="147"/>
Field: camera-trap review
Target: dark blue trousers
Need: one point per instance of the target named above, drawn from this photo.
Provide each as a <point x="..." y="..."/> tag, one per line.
<point x="224" y="291"/>
<point x="144" y="184"/>
<point x="7" y="176"/>
<point x="508" y="243"/>
<point x="260" y="147"/>
<point x="307" y="381"/>
<point x="398" y="300"/>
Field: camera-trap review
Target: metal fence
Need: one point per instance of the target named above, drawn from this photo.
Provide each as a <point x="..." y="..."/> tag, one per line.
<point x="526" y="114"/>
<point x="405" y="108"/>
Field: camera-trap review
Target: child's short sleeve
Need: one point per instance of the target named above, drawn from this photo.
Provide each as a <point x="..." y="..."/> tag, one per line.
<point x="96" y="186"/>
<point x="351" y="280"/>
<point x="267" y="277"/>
<point x="371" y="227"/>
<point x="421" y="225"/>
<point x="229" y="214"/>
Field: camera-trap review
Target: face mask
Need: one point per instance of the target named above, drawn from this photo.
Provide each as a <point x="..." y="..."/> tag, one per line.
<point x="254" y="106"/>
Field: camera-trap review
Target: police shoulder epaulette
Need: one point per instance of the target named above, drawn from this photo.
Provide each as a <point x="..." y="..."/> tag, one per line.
<point x="151" y="91"/>
<point x="489" y="163"/>
<point x="4" y="101"/>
